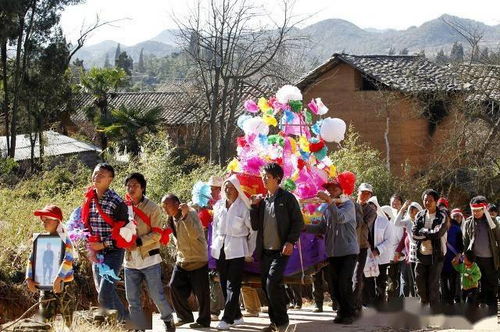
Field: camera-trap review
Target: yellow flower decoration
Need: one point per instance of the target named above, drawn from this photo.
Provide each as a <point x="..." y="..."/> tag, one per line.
<point x="332" y="172"/>
<point x="293" y="145"/>
<point x="270" y="120"/>
<point x="304" y="144"/>
<point x="295" y="175"/>
<point x="264" y="105"/>
<point x="234" y="166"/>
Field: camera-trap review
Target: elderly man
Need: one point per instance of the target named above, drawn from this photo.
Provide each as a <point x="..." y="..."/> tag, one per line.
<point x="191" y="266"/>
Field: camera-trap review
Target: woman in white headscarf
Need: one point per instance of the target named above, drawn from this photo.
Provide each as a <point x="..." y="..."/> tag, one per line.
<point x="232" y="241"/>
<point x="405" y="219"/>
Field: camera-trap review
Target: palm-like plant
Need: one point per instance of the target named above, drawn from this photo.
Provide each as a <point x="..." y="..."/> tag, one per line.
<point x="128" y="126"/>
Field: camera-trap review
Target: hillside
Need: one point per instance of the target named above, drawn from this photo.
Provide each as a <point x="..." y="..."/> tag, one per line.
<point x="328" y="37"/>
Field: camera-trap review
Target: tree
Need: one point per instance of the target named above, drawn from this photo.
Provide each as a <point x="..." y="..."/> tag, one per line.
<point x="140" y="65"/>
<point x="230" y="48"/>
<point x="125" y="62"/>
<point x="404" y="51"/>
<point x="392" y="51"/>
<point x="441" y="58"/>
<point x="457" y="52"/>
<point x="128" y="127"/>
<point x="99" y="82"/>
<point x="117" y="53"/>
<point x="106" y="61"/>
<point x="473" y="33"/>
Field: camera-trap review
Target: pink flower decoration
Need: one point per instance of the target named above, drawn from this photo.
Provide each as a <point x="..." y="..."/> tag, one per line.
<point x="313" y="107"/>
<point x="251" y="106"/>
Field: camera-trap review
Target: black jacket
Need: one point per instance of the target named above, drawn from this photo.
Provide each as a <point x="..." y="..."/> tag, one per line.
<point x="288" y="216"/>
<point x="438" y="229"/>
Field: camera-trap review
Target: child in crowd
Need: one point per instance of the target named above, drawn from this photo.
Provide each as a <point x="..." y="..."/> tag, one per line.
<point x="470" y="275"/>
<point x="59" y="299"/>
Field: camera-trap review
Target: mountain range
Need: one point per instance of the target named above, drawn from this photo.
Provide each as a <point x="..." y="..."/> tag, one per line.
<point x="327" y="37"/>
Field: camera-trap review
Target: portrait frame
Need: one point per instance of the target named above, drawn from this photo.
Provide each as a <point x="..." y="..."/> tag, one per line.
<point x="48" y="254"/>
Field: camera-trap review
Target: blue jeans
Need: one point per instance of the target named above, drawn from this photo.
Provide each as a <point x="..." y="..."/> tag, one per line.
<point x="106" y="291"/>
<point x="133" y="281"/>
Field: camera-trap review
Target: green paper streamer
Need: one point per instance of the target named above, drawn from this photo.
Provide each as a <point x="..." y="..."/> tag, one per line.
<point x="289" y="185"/>
<point x="295" y="105"/>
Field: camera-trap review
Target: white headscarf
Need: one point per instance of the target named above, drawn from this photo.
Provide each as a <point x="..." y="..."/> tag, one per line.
<point x="236" y="183"/>
<point x="389" y="211"/>
<point x="374" y="200"/>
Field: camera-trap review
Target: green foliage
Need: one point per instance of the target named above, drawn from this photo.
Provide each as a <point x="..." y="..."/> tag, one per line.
<point x="7" y="165"/>
<point x="100" y="81"/>
<point x="364" y="161"/>
<point x="128" y="127"/>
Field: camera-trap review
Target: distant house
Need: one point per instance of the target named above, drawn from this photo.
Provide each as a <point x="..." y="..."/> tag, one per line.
<point x="56" y="146"/>
<point x="184" y="114"/>
<point x="398" y="104"/>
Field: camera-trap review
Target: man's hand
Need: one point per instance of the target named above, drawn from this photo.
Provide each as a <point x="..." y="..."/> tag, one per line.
<point x="287" y="249"/>
<point x="255" y="199"/>
<point x="249" y="259"/>
<point x="32" y="286"/>
<point x="57" y="287"/>
<point x="375" y="252"/>
<point x="397" y="256"/>
<point x="96" y="246"/>
<point x="184" y="209"/>
<point x="324" y="197"/>
<point x="132" y="247"/>
<point x="406" y="205"/>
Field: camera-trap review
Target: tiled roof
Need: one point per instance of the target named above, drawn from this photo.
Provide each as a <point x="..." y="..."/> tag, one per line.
<point x="178" y="107"/>
<point x="482" y="79"/>
<point x="56" y="145"/>
<point x="412" y="74"/>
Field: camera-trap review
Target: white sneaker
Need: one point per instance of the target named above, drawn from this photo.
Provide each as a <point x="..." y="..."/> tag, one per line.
<point x="223" y="326"/>
<point x="239" y="321"/>
<point x="214" y="318"/>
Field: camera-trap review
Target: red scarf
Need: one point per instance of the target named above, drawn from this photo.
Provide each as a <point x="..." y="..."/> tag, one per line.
<point x="164" y="232"/>
<point x="91" y="196"/>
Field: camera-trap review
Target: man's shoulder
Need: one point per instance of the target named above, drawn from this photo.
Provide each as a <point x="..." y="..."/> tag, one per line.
<point x="113" y="196"/>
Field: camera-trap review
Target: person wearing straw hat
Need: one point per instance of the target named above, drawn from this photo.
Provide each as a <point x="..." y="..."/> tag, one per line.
<point x="482" y="236"/>
<point x="233" y="242"/>
<point x="341" y="240"/>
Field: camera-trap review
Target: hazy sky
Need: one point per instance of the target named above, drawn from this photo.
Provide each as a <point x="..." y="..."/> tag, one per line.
<point x="146" y="18"/>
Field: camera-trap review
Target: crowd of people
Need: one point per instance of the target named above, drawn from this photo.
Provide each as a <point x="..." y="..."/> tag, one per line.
<point x="375" y="254"/>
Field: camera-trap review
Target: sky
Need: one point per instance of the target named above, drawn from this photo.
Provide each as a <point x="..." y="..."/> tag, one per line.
<point x="141" y="20"/>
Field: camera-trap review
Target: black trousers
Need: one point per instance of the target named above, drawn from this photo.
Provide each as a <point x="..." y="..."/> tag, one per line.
<point x="294" y="293"/>
<point x="231" y="273"/>
<point x="375" y="287"/>
<point x="394" y="279"/>
<point x="319" y="280"/>
<point x="470" y="296"/>
<point x="272" y="267"/>
<point x="408" y="274"/>
<point x="449" y="281"/>
<point x="181" y="285"/>
<point x="427" y="275"/>
<point x="488" y="284"/>
<point x="341" y="273"/>
<point x="360" y="277"/>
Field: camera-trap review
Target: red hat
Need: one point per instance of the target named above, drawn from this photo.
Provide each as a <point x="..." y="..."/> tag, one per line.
<point x="51" y="211"/>
<point x="443" y="201"/>
<point x="345" y="181"/>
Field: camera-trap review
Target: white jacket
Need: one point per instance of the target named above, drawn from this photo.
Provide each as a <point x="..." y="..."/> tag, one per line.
<point x="231" y="228"/>
<point x="384" y="239"/>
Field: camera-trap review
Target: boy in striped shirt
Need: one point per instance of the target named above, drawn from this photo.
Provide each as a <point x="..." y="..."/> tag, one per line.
<point x="59" y="299"/>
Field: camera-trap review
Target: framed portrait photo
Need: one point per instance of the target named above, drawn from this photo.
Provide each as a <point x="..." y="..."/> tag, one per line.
<point x="48" y="255"/>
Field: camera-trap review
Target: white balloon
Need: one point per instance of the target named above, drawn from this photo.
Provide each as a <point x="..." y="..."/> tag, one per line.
<point x="333" y="130"/>
<point x="255" y="125"/>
